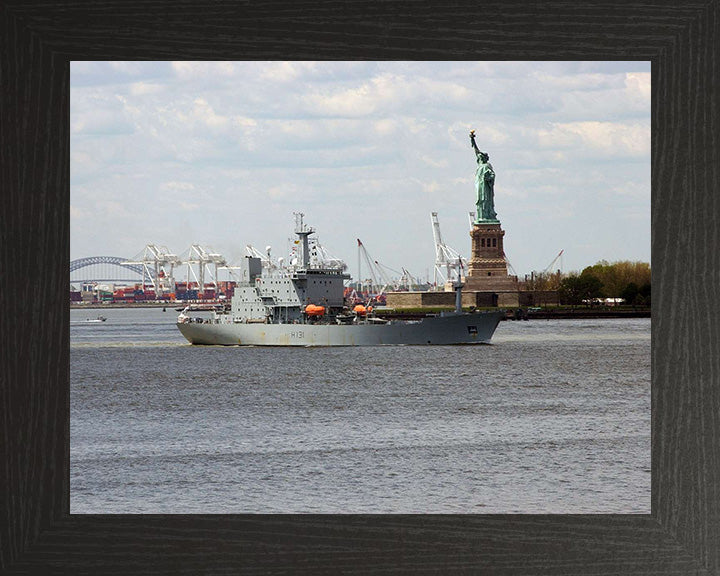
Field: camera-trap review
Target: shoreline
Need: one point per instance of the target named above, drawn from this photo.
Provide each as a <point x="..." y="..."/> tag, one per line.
<point x="512" y="314"/>
<point x="106" y="305"/>
<point x="582" y="314"/>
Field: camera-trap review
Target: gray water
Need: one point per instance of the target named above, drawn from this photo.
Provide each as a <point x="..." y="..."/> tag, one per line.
<point x="552" y="417"/>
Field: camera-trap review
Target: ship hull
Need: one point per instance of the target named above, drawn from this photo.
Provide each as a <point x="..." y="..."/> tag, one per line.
<point x="473" y="328"/>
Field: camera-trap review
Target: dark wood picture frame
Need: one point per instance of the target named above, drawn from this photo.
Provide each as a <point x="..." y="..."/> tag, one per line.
<point x="681" y="535"/>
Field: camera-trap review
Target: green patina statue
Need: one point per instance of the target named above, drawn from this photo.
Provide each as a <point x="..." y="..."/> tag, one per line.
<point x="484" y="186"/>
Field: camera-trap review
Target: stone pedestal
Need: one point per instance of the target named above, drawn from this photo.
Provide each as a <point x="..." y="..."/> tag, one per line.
<point x="488" y="268"/>
<point x="486" y="284"/>
<point x="488" y="255"/>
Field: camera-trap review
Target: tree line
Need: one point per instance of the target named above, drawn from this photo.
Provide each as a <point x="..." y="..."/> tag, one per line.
<point x="624" y="279"/>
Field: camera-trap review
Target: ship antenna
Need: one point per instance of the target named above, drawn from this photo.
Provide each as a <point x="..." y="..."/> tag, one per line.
<point x="298" y="221"/>
<point x="303" y="232"/>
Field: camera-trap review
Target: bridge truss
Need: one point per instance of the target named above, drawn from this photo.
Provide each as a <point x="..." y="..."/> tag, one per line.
<point x="105" y="269"/>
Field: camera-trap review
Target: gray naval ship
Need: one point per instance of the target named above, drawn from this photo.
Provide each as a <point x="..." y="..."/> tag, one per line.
<point x="303" y="305"/>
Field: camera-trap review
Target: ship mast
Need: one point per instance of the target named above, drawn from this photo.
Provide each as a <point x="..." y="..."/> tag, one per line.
<point x="303" y="232"/>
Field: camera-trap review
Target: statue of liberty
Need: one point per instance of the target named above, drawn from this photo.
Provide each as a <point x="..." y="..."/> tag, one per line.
<point x="484" y="186"/>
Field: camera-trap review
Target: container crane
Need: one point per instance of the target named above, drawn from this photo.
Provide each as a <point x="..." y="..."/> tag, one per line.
<point x="154" y="259"/>
<point x="447" y="260"/>
<point x="203" y="258"/>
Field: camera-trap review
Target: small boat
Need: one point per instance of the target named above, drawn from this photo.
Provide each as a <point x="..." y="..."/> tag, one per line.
<point x="91" y="320"/>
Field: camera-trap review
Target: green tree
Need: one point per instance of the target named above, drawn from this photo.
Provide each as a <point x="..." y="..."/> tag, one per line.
<point x="616" y="276"/>
<point x="630" y="293"/>
<point x="644" y="293"/>
<point x="576" y="288"/>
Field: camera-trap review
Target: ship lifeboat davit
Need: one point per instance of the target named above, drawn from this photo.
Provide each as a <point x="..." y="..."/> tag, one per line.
<point x="312" y="310"/>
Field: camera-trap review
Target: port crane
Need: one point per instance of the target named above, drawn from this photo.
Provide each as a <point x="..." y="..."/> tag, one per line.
<point x="379" y="280"/>
<point x="447" y="260"/>
<point x="202" y="258"/>
<point x="510" y="266"/>
<point x="409" y="280"/>
<point x="546" y="279"/>
<point x="154" y="260"/>
<point x="403" y="281"/>
<point x="558" y="257"/>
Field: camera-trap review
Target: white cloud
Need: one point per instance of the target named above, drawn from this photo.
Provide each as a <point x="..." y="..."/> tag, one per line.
<point x="188" y="206"/>
<point x="244" y="122"/>
<point x="298" y="128"/>
<point x="442" y="163"/>
<point x="80" y="159"/>
<point x="632" y="189"/>
<point x="608" y="138"/>
<point x="177" y="186"/>
<point x="77" y="213"/>
<point x="206" y="114"/>
<point x="112" y="208"/>
<point x="578" y="82"/>
<point x="386" y="126"/>
<point x="277" y="192"/>
<point x="130" y="68"/>
<point x="142" y="88"/>
<point x="430" y="187"/>
<point x="129" y="109"/>
<point x="638" y="86"/>
<point x="384" y="93"/>
<point x="286" y="71"/>
<point x="194" y="70"/>
<point x="360" y="101"/>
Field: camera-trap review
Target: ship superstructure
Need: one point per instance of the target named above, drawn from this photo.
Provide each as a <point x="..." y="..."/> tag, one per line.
<point x="309" y="289"/>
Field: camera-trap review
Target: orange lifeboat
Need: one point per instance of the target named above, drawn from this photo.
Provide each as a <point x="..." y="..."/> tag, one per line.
<point x="360" y="310"/>
<point x="312" y="310"/>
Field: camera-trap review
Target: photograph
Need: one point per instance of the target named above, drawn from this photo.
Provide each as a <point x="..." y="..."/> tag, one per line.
<point x="360" y="287"/>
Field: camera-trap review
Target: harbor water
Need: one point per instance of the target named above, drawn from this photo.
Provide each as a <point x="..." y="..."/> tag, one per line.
<point x="552" y="417"/>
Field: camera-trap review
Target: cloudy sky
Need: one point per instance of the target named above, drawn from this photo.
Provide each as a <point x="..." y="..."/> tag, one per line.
<point x="222" y="153"/>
